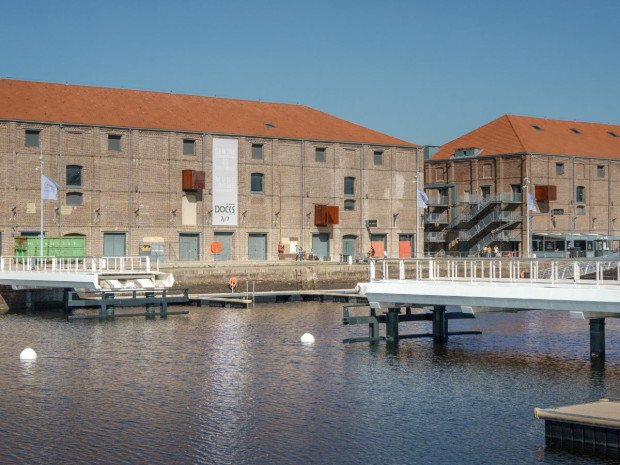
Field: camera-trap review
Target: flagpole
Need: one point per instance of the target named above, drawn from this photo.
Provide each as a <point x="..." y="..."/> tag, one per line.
<point x="41" y="185"/>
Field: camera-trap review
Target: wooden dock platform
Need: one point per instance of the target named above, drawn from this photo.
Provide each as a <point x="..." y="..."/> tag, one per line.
<point x="592" y="427"/>
<point x="246" y="299"/>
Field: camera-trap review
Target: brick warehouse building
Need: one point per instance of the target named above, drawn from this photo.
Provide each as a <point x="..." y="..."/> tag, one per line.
<point x="139" y="169"/>
<point x="478" y="185"/>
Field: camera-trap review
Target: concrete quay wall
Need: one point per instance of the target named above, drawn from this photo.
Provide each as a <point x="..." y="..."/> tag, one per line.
<point x="268" y="277"/>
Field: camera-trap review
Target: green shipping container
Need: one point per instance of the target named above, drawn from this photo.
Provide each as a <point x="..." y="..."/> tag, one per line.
<point x="67" y="246"/>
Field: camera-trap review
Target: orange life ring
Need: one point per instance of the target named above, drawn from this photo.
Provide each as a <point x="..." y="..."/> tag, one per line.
<point x="216" y="247"/>
<point x="232" y="282"/>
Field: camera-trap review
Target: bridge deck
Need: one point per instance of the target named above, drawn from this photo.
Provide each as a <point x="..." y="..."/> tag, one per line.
<point x="81" y="272"/>
<point x="572" y="285"/>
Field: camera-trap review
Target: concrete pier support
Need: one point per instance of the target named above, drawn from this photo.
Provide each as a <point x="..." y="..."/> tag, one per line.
<point x="597" y="338"/>
<point x="440" y="325"/>
<point x="391" y="325"/>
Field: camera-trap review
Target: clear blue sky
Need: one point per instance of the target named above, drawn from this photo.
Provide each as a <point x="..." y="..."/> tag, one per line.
<point x="426" y="72"/>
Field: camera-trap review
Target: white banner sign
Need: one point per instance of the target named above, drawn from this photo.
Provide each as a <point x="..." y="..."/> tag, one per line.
<point x="225" y="154"/>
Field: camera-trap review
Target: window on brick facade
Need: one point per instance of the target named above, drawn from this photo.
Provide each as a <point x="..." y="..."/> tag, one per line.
<point x="32" y="137"/>
<point x="580" y="194"/>
<point x="189" y="147"/>
<point x="73" y="198"/>
<point x="349" y="205"/>
<point x="114" y="142"/>
<point x="257" y="151"/>
<point x="559" y="169"/>
<point x="378" y="157"/>
<point x="74" y="176"/>
<point x="600" y="171"/>
<point x="580" y="210"/>
<point x="557" y="211"/>
<point x="349" y="186"/>
<point x="486" y="192"/>
<point x="320" y="154"/>
<point x="256" y="185"/>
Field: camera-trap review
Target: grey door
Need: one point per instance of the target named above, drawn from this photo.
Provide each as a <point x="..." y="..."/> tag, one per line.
<point x="226" y="240"/>
<point x="257" y="247"/>
<point x="188" y="247"/>
<point x="320" y="245"/>
<point x="348" y="246"/>
<point x="113" y="244"/>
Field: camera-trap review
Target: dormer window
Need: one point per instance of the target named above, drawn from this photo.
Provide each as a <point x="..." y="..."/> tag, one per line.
<point x="469" y="152"/>
<point x="575" y="130"/>
<point x="538" y="128"/>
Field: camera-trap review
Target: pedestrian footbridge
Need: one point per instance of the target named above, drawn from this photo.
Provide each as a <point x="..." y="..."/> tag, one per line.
<point x="476" y="285"/>
<point x="463" y="288"/>
<point x="89" y="273"/>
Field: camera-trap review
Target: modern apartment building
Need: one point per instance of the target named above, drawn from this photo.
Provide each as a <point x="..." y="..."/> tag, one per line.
<point x="139" y="171"/>
<point x="478" y="187"/>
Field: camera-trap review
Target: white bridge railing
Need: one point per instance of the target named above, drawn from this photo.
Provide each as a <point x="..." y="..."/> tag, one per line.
<point x="90" y="265"/>
<point x="503" y="270"/>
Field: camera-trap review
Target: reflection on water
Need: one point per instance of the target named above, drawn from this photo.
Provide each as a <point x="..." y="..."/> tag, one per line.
<point x="232" y="386"/>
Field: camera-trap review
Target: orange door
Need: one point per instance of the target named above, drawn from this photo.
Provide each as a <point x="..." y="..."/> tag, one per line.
<point x="404" y="249"/>
<point x="378" y="246"/>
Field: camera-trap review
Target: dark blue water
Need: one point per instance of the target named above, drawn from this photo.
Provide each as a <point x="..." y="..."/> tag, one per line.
<point x="230" y="386"/>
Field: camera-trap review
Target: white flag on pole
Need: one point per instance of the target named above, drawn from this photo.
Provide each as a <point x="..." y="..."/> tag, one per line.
<point x="49" y="188"/>
<point x="531" y="203"/>
<point x="422" y="199"/>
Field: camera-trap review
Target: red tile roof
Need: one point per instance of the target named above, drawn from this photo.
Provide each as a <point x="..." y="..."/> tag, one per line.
<point x="100" y="106"/>
<point x="517" y="134"/>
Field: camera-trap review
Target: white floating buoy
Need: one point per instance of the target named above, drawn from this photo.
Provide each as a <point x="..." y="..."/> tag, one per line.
<point x="307" y="338"/>
<point x="28" y="354"/>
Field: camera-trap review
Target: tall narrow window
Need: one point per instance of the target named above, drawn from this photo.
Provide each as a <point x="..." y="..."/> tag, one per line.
<point x="320" y="154"/>
<point x="189" y="147"/>
<point x="114" y="142"/>
<point x="257" y="183"/>
<point x="257" y="151"/>
<point x="559" y="169"/>
<point x="349" y="186"/>
<point x="74" y="176"/>
<point x="378" y="157"/>
<point x="32" y="137"/>
<point x="486" y="192"/>
<point x="580" y="194"/>
<point x="600" y="171"/>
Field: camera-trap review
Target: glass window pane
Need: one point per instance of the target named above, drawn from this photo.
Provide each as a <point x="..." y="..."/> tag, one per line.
<point x="114" y="143"/>
<point x="257" y="151"/>
<point x="32" y="138"/>
<point x="349" y="186"/>
<point x="320" y="154"/>
<point x="74" y="176"/>
<point x="378" y="157"/>
<point x="580" y="194"/>
<point x="349" y="205"/>
<point x="189" y="147"/>
<point x="257" y="182"/>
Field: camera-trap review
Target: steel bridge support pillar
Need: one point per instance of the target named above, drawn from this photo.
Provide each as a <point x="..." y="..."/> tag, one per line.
<point x="597" y="338"/>
<point x="391" y="324"/>
<point x="440" y="325"/>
